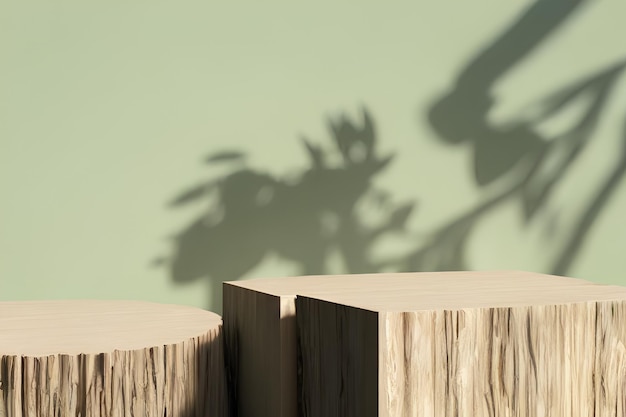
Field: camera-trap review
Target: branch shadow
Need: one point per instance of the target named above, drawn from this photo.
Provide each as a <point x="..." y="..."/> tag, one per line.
<point x="532" y="163"/>
<point x="301" y="219"/>
<point x="253" y="213"/>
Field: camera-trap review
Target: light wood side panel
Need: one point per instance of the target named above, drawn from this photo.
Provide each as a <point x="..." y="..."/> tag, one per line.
<point x="537" y="360"/>
<point x="456" y="343"/>
<point x="110" y="358"/>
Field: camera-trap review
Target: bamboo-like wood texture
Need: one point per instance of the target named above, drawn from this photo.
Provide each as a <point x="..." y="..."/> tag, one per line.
<point x="496" y="343"/>
<point x="109" y="358"/>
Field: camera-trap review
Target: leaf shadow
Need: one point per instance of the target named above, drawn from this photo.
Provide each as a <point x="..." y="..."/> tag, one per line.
<point x="302" y="220"/>
<point x="516" y="153"/>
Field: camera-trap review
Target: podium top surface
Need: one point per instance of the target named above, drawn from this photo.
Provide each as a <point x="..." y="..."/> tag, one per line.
<point x="419" y="291"/>
<point x="41" y="328"/>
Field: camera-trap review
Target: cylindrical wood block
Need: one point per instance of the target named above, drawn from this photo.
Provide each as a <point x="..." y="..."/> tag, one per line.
<point x="110" y="358"/>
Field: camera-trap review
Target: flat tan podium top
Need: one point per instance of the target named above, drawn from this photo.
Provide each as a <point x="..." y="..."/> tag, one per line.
<point x="109" y="358"/>
<point x="486" y="343"/>
<point x="422" y="291"/>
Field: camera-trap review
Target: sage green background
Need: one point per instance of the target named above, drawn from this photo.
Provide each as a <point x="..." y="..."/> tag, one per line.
<point x="108" y="109"/>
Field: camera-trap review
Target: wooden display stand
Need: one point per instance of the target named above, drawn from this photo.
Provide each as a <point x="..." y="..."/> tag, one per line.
<point x="426" y="344"/>
<point x="393" y="345"/>
<point x="109" y="358"/>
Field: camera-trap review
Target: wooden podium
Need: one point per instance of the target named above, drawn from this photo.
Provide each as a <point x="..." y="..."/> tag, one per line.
<point x="109" y="358"/>
<point x="426" y="344"/>
<point x="393" y="345"/>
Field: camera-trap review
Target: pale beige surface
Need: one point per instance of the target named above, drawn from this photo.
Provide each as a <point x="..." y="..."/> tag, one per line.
<point x="439" y="290"/>
<point x="447" y="344"/>
<point x="39" y="328"/>
<point x="556" y="360"/>
<point x="110" y="358"/>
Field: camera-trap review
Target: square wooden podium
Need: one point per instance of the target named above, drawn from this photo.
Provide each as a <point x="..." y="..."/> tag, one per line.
<point x="498" y="343"/>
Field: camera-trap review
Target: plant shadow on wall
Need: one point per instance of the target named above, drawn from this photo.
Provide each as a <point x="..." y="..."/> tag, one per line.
<point x="531" y="163"/>
<point x="301" y="219"/>
<point x="254" y="213"/>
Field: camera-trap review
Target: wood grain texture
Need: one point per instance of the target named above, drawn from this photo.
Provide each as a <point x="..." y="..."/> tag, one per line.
<point x="565" y="360"/>
<point x="337" y="360"/>
<point x="109" y="358"/>
<point x="496" y="343"/>
<point x="260" y="340"/>
<point x="539" y="360"/>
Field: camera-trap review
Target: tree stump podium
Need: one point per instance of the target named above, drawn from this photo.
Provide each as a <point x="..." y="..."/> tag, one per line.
<point x="426" y="344"/>
<point x="109" y="358"/>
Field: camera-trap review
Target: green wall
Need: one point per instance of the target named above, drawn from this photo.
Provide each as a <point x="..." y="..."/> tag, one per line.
<point x="109" y="111"/>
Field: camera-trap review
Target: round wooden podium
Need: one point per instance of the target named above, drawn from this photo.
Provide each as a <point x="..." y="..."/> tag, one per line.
<point x="110" y="358"/>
